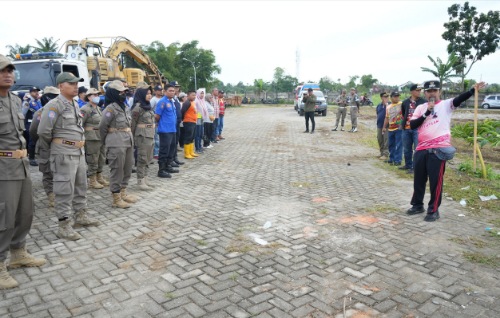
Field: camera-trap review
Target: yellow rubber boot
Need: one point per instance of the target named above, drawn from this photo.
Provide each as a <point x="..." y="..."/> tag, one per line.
<point x="191" y="148"/>
<point x="187" y="151"/>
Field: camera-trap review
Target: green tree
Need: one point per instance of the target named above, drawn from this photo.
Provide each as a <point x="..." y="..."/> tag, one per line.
<point x="471" y="35"/>
<point x="444" y="71"/>
<point x="18" y="49"/>
<point x="259" y="86"/>
<point x="352" y="81"/>
<point x="367" y="81"/>
<point x="46" y="45"/>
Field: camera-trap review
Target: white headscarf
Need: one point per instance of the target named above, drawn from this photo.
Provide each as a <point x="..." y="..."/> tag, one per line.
<point x="201" y="107"/>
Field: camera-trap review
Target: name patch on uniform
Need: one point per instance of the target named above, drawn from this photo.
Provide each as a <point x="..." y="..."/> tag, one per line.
<point x="52" y="114"/>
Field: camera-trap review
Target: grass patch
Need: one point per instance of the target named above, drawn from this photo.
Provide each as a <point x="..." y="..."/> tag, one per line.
<point x="201" y="242"/>
<point x="481" y="258"/>
<point x="169" y="295"/>
<point x="382" y="208"/>
<point x="243" y="244"/>
<point x="469" y="240"/>
<point x="234" y="276"/>
<point x="323" y="211"/>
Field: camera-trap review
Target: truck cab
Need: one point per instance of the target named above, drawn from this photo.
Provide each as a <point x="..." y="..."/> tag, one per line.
<point x="41" y="70"/>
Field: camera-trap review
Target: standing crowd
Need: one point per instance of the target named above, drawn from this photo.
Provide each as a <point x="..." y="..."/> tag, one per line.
<point x="71" y="141"/>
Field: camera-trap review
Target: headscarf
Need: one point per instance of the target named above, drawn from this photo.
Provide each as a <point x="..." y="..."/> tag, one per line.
<point x="140" y="98"/>
<point x="201" y="107"/>
<point x="113" y="96"/>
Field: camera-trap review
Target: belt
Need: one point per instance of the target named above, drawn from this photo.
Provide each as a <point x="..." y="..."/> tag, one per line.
<point x="71" y="143"/>
<point x="13" y="154"/>
<point x="118" y="129"/>
<point x="146" y="126"/>
<point x="91" y="128"/>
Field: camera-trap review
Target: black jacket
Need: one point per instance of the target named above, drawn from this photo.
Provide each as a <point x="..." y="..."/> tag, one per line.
<point x="405" y="106"/>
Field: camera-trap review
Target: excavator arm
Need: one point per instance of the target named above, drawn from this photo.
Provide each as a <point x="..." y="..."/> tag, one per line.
<point x="123" y="45"/>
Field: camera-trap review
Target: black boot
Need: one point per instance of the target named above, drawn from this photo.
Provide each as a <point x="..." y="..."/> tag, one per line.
<point x="177" y="161"/>
<point x="162" y="173"/>
<point x="171" y="169"/>
<point x="173" y="164"/>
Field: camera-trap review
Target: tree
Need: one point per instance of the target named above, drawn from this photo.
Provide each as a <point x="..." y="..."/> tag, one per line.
<point x="367" y="81"/>
<point x="471" y="35"/>
<point x="46" y="45"/>
<point x="18" y="49"/>
<point x="352" y="81"/>
<point x="444" y="71"/>
<point x="258" y="86"/>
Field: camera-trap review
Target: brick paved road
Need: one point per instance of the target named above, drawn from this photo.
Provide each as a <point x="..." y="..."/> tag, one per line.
<point x="338" y="243"/>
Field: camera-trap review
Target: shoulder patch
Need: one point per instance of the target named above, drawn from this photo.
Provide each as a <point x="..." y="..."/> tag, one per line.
<point x="52" y="114"/>
<point x="53" y="108"/>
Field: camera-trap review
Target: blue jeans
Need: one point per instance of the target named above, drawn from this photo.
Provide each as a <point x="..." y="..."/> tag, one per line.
<point x="215" y="126"/>
<point x="156" y="150"/>
<point x="198" y="137"/>
<point x="395" y="146"/>
<point x="410" y="141"/>
<point x="218" y="131"/>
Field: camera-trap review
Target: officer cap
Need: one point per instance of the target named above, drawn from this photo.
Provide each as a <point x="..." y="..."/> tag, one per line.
<point x="158" y="88"/>
<point x="67" y="77"/>
<point x="174" y="84"/>
<point x="432" y="84"/>
<point x="92" y="91"/>
<point x="34" y="89"/>
<point x="393" y="94"/>
<point x="118" y="85"/>
<point x="5" y="62"/>
<point x="51" y="90"/>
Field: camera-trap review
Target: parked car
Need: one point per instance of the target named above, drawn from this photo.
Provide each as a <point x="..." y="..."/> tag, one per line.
<point x="321" y="104"/>
<point x="296" y="92"/>
<point x="491" y="101"/>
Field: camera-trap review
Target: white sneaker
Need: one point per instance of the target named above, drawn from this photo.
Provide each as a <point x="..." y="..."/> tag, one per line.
<point x="355" y="129"/>
<point x="209" y="146"/>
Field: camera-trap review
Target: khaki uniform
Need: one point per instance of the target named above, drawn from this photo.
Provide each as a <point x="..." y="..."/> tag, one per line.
<point x="42" y="152"/>
<point x="61" y="127"/>
<point x="16" y="196"/>
<point x="342" y="110"/>
<point x="353" y="102"/>
<point x="143" y="129"/>
<point x="94" y="148"/>
<point x="117" y="136"/>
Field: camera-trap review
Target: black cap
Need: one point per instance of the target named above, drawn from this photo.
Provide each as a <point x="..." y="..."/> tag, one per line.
<point x="221" y="92"/>
<point x="34" y="88"/>
<point x="393" y="94"/>
<point x="174" y="84"/>
<point x="158" y="88"/>
<point x="433" y="84"/>
<point x="415" y="87"/>
<point x="309" y="89"/>
<point x="384" y="94"/>
<point x="82" y="89"/>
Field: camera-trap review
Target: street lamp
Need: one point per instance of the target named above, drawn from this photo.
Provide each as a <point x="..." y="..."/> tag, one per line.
<point x="194" y="68"/>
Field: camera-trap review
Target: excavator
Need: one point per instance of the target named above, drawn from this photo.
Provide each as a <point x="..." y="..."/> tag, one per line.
<point x="111" y="65"/>
<point x="87" y="59"/>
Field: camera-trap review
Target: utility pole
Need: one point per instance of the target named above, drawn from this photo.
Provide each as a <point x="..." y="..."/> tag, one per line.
<point x="194" y="68"/>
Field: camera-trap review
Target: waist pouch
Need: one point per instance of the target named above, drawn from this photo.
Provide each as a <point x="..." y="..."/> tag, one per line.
<point x="445" y="153"/>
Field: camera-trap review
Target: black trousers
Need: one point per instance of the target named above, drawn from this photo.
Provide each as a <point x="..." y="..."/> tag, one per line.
<point x="178" y="139"/>
<point x="168" y="147"/>
<point x="427" y="166"/>
<point x="310" y="115"/>
<point x="207" y="129"/>
<point x="189" y="129"/>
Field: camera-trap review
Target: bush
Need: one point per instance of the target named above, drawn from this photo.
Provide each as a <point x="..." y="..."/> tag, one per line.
<point x="488" y="132"/>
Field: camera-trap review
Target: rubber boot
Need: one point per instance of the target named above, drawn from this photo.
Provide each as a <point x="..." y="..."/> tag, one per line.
<point x="6" y="281"/>
<point x="66" y="231"/>
<point x="20" y="257"/>
<point x="118" y="202"/>
<point x="94" y="184"/>
<point x="187" y="151"/>
<point x="191" y="150"/>
<point x="101" y="179"/>
<point x="141" y="184"/>
<point x="52" y="199"/>
<point x="82" y="218"/>
<point x="129" y="198"/>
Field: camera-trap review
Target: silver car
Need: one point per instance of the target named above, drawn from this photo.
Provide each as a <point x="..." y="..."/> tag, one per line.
<point x="491" y="101"/>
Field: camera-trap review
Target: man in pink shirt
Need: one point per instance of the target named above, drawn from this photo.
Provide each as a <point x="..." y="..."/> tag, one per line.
<point x="433" y="122"/>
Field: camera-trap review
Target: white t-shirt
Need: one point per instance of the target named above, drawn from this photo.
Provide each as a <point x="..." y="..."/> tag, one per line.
<point x="435" y="130"/>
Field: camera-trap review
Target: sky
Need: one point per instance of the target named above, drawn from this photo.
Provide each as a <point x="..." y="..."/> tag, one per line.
<point x="388" y="39"/>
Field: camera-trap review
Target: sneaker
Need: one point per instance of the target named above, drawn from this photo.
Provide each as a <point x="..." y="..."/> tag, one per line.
<point x="209" y="146"/>
<point x="431" y="217"/>
<point x="355" y="130"/>
<point x="305" y="131"/>
<point x="383" y="158"/>
<point x="33" y="163"/>
<point x="312" y="131"/>
<point x="342" y="129"/>
<point x="334" y="129"/>
<point x="403" y="168"/>
<point x="415" y="210"/>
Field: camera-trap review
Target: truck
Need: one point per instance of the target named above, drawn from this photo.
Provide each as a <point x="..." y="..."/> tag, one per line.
<point x="86" y="59"/>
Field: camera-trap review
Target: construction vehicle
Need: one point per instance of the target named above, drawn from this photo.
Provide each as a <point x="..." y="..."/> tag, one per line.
<point x="86" y="59"/>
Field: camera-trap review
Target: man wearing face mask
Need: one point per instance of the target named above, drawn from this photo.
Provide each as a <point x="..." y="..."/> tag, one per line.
<point x="94" y="149"/>
<point x="61" y="126"/>
<point x="433" y="122"/>
<point x="116" y="135"/>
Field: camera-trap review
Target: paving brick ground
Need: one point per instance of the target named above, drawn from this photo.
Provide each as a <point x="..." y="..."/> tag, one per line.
<point x="338" y="244"/>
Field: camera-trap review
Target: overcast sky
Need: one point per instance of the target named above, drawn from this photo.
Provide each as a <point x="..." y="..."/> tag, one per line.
<point x="338" y="39"/>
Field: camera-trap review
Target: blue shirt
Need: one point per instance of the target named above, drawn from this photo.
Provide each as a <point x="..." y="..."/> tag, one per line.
<point x="381" y="112"/>
<point x="168" y="115"/>
<point x="81" y="103"/>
